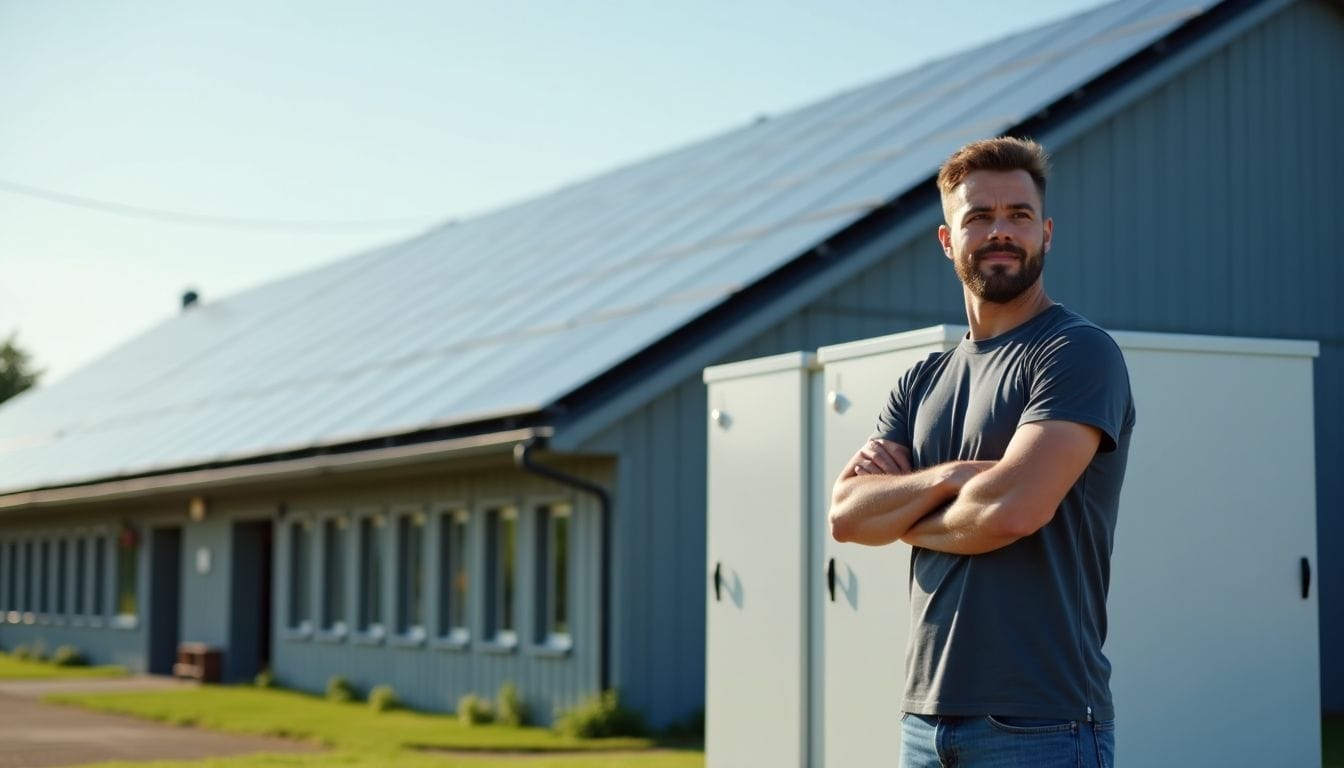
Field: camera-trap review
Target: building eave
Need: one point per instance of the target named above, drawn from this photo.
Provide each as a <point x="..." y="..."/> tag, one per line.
<point x="254" y="474"/>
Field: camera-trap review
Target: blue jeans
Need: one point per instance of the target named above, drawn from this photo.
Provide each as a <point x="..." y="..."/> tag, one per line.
<point x="930" y="741"/>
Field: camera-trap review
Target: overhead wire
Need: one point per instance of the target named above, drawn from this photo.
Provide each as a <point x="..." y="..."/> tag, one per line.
<point x="206" y="220"/>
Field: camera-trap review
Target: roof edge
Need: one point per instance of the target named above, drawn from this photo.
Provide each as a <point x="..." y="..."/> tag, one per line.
<point x="253" y="473"/>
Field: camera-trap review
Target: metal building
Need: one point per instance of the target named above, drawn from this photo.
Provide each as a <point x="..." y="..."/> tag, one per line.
<point x="319" y="475"/>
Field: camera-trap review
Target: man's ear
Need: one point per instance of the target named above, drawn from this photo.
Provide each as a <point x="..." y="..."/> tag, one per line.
<point x="1049" y="235"/>
<point x="945" y="239"/>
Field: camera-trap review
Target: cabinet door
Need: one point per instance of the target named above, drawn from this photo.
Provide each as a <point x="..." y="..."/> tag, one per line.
<point x="1214" y="650"/>
<point x="755" y="701"/>
<point x="865" y="616"/>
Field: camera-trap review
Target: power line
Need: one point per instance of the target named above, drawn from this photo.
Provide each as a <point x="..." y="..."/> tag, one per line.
<point x="202" y="219"/>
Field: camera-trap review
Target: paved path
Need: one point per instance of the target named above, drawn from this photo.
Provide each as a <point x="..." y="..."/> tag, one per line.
<point x="37" y="734"/>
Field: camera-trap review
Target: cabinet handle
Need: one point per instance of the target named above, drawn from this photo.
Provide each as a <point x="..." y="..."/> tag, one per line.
<point x="718" y="582"/>
<point x="1306" y="578"/>
<point x="830" y="578"/>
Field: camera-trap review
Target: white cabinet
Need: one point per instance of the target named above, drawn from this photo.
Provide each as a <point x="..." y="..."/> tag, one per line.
<point x="1215" y="652"/>
<point x="865" y="615"/>
<point x="1212" y="638"/>
<point x="758" y="535"/>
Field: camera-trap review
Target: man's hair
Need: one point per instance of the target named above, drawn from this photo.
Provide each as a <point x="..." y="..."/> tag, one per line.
<point x="1006" y="153"/>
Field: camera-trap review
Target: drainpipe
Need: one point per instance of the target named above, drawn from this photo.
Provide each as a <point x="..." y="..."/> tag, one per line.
<point x="522" y="458"/>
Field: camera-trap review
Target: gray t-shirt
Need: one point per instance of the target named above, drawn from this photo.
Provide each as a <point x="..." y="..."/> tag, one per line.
<point x="1017" y="631"/>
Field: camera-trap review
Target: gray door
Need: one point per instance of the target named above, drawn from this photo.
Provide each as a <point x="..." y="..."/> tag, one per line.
<point x="165" y="598"/>
<point x="249" y="649"/>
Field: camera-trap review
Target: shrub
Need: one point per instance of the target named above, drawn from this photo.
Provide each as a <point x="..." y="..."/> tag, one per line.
<point x="68" y="656"/>
<point x="510" y="706"/>
<point x="39" y="651"/>
<point x="473" y="710"/>
<point x="382" y="698"/>
<point x="600" y="716"/>
<point x="22" y="653"/>
<point x="691" y="728"/>
<point x="339" y="689"/>
<point x="264" y="679"/>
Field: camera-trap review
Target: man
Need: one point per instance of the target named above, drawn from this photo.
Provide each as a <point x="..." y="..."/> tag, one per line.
<point x="1000" y="463"/>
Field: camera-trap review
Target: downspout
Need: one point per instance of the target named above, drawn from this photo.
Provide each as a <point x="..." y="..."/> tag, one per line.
<point x="522" y="458"/>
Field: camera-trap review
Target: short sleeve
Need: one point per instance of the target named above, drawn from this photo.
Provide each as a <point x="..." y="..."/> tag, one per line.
<point x="893" y="423"/>
<point x="1081" y="376"/>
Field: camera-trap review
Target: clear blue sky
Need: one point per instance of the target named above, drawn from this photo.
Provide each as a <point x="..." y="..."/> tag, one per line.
<point x="351" y="124"/>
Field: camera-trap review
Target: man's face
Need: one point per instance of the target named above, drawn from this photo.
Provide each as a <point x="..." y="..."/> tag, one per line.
<point x="996" y="235"/>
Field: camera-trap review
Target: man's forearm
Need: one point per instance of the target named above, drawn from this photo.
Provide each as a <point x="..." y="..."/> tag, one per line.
<point x="975" y="522"/>
<point x="880" y="509"/>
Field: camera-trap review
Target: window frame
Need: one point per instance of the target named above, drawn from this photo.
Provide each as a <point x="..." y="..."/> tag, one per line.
<point x="501" y="584"/>
<point x="454" y="542"/>
<point x="42" y="572"/>
<point x="79" y="587"/>
<point x="120" y="619"/>
<point x="333" y="604"/>
<point x="545" y="637"/>
<point x="99" y="564"/>
<point x="299" y="566"/>
<point x="370" y="624"/>
<point x="406" y="553"/>
<point x="60" y="608"/>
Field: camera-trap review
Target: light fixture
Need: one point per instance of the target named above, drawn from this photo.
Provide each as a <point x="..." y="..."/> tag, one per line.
<point x="196" y="509"/>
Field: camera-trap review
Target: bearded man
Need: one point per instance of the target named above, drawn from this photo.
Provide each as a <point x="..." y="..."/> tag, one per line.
<point x="1000" y="463"/>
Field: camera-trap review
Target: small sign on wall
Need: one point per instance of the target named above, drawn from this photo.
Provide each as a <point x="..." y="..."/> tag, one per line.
<point x="203" y="560"/>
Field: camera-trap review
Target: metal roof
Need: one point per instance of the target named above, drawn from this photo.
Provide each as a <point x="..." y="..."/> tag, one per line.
<point x="509" y="312"/>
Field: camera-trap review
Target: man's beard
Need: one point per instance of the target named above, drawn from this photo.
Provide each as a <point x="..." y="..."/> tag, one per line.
<point x="1000" y="287"/>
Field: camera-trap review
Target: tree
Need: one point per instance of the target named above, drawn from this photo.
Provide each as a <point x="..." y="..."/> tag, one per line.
<point x="16" y="369"/>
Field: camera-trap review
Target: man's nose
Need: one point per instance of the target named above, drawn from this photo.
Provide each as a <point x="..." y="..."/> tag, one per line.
<point x="999" y="230"/>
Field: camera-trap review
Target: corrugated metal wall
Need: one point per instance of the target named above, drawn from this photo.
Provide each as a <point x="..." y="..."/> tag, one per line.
<point x="430" y="675"/>
<point x="659" y="609"/>
<point x="1204" y="208"/>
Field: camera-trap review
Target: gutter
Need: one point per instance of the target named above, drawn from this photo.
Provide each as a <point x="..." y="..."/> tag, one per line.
<point x="274" y="471"/>
<point x="522" y="457"/>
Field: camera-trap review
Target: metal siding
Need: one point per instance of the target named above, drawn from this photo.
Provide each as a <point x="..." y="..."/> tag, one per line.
<point x="204" y="595"/>
<point x="430" y="677"/>
<point x="660" y="559"/>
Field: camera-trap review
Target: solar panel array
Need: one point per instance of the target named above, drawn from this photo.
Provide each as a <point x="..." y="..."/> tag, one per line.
<point x="508" y="312"/>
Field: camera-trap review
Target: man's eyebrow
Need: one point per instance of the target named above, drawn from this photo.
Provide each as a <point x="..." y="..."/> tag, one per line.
<point x="1010" y="206"/>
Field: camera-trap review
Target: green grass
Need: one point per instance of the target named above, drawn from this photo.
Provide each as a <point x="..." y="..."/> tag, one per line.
<point x="19" y="669"/>
<point x="1332" y="738"/>
<point x="361" y="738"/>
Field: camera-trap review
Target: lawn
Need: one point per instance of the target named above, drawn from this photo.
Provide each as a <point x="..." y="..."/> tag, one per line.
<point x="23" y="669"/>
<point x="362" y="738"/>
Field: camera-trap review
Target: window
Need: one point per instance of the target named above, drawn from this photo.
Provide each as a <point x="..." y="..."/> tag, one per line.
<point x="453" y="575"/>
<point x="501" y="546"/>
<point x="371" y="575"/>
<point x="411" y="574"/>
<point x="28" y="575"/>
<point x="128" y="567"/>
<point x="299" y="617"/>
<point x="62" y="575"/>
<point x="98" y="595"/>
<point x="333" y="574"/>
<point x="44" y="577"/>
<point x="553" y="548"/>
<point x="81" y="571"/>
<point x="6" y="579"/>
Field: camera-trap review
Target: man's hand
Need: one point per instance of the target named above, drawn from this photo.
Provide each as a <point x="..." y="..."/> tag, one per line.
<point x="880" y="457"/>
